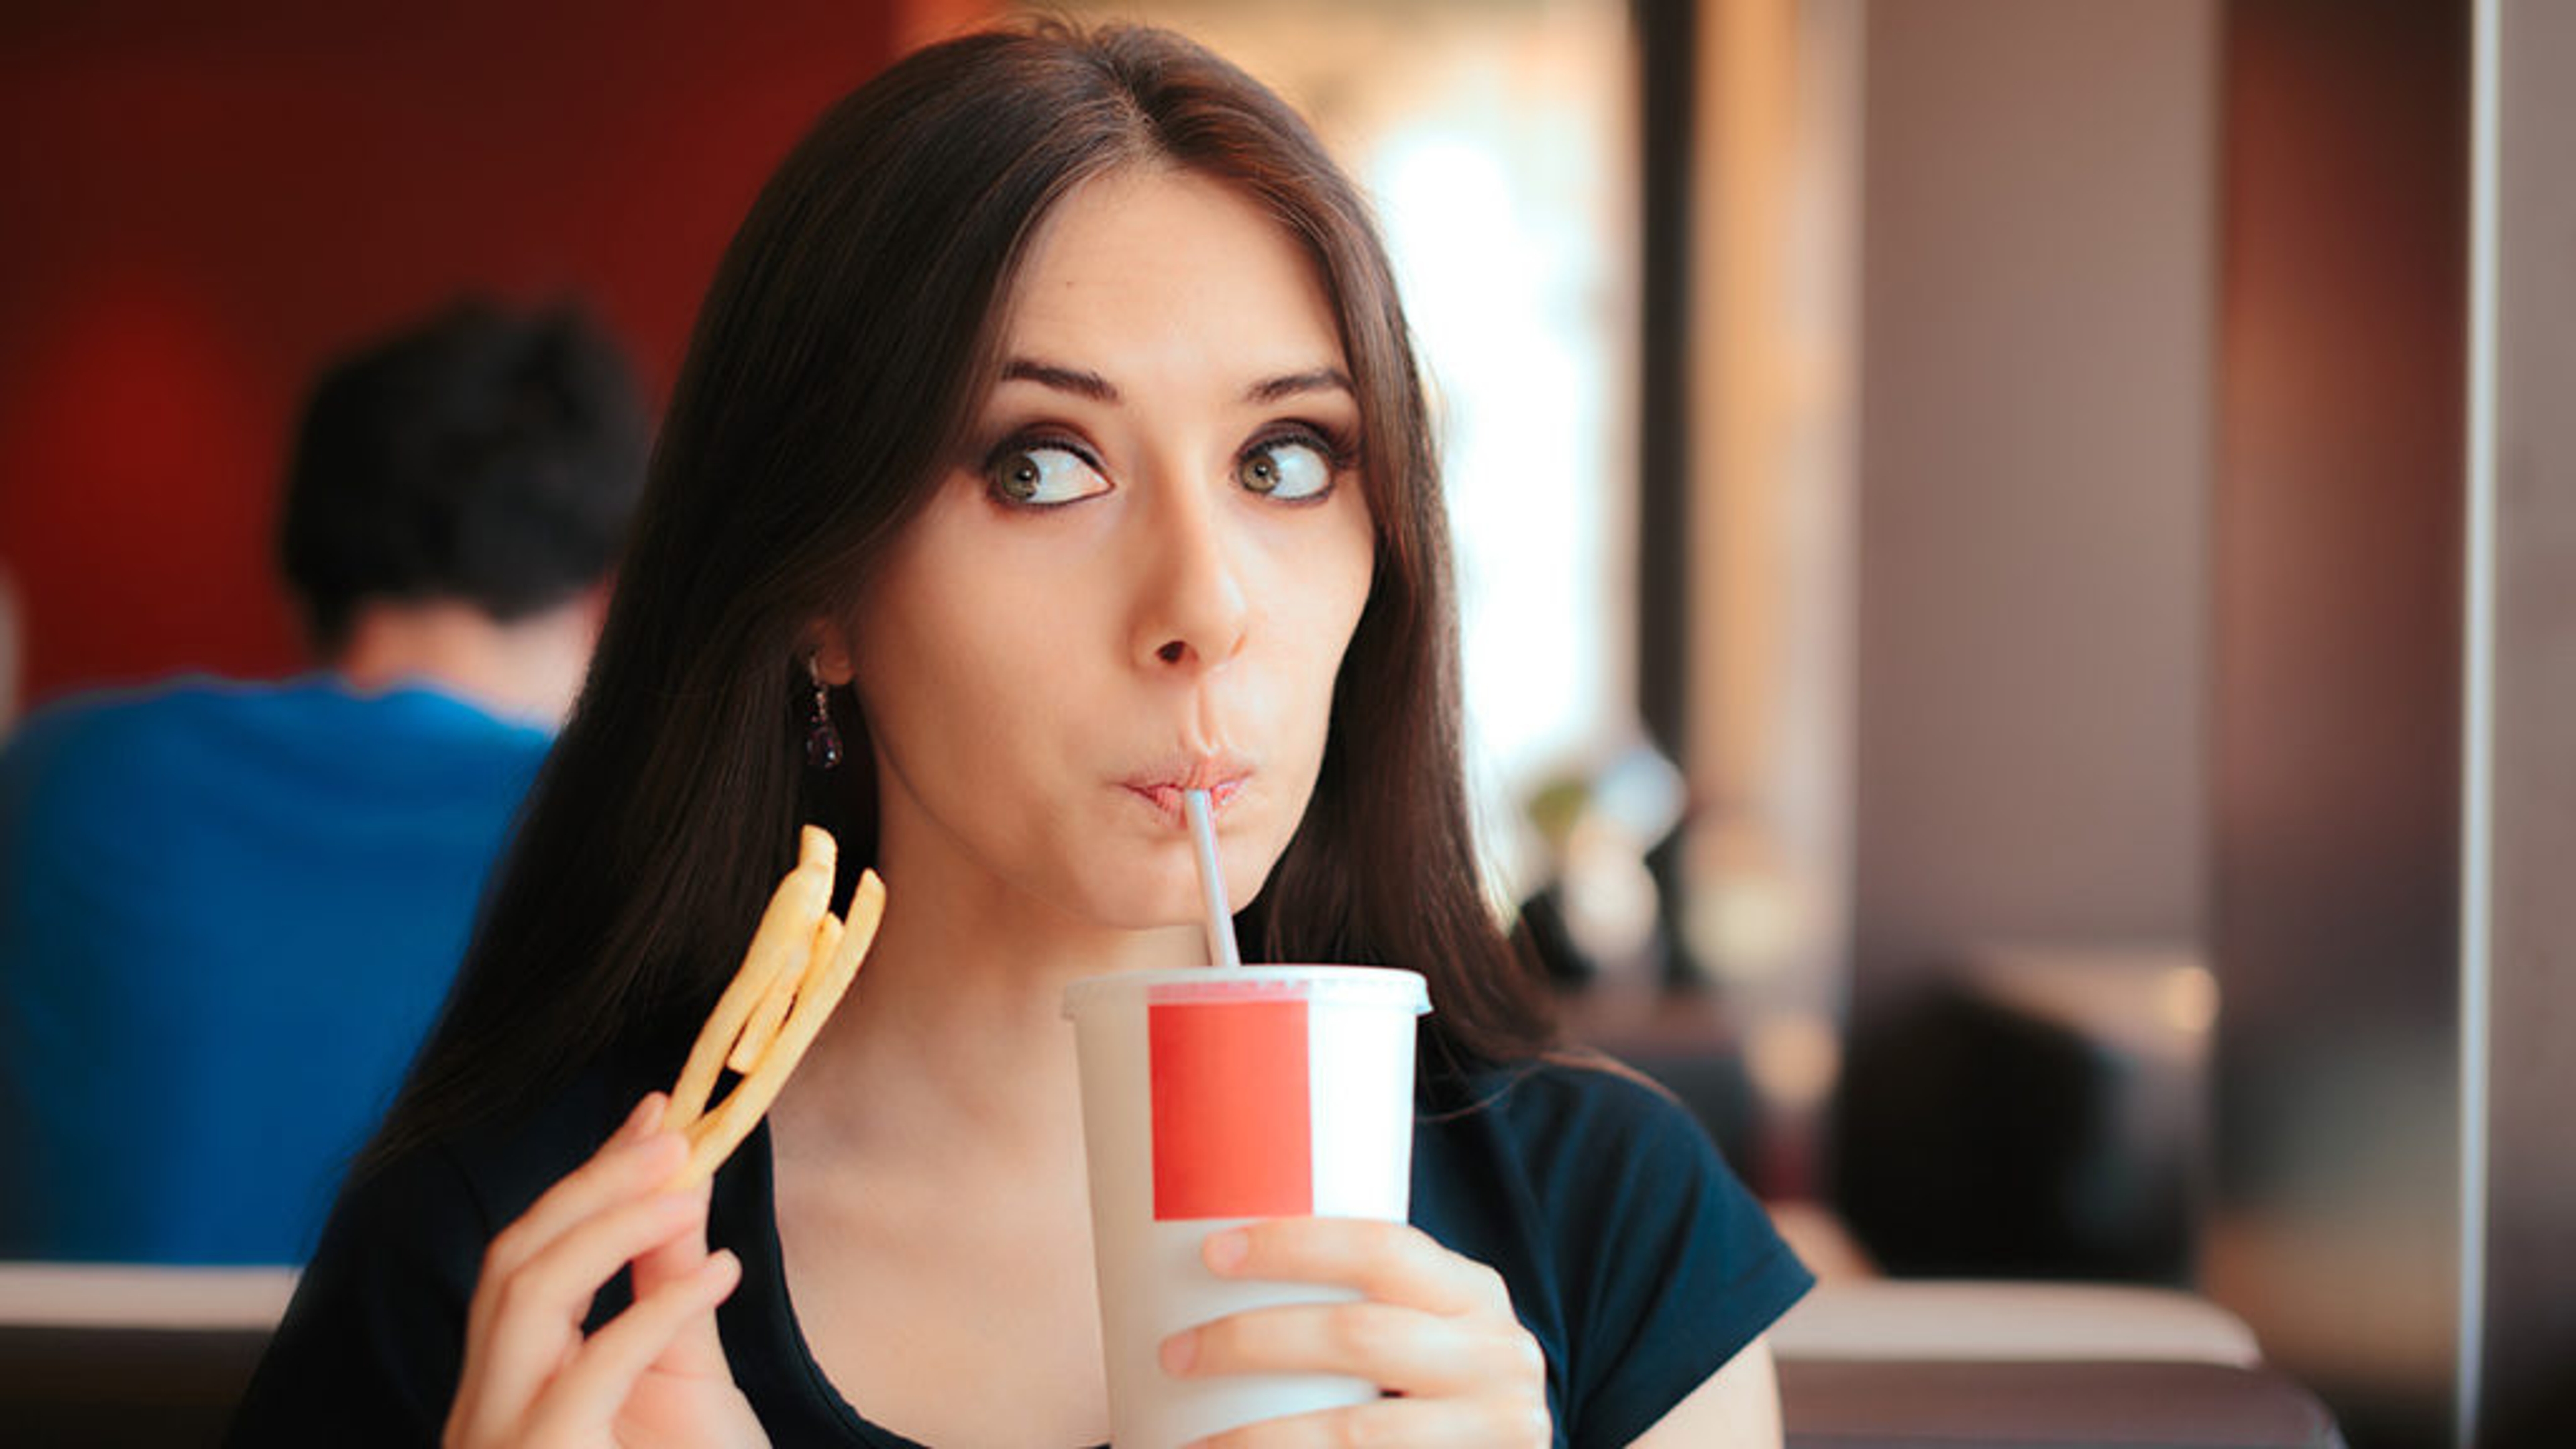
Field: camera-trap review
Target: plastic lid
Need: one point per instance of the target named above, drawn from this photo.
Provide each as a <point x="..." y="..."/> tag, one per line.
<point x="1384" y="986"/>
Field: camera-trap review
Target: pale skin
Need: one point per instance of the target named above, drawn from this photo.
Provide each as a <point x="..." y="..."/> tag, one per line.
<point x="1140" y="575"/>
<point x="527" y="669"/>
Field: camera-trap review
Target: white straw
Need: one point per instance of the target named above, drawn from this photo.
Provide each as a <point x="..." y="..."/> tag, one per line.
<point x="1220" y="921"/>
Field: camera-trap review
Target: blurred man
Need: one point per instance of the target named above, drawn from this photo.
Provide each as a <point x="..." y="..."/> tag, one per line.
<point x="229" y="912"/>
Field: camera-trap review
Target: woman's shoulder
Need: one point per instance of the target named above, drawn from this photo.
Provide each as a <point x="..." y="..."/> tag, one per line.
<point x="368" y="1349"/>
<point x="464" y="1186"/>
<point x="494" y="1168"/>
<point x="1583" y="1164"/>
<point x="1632" y="1251"/>
<point x="1572" y="1102"/>
<point x="1564" y="1153"/>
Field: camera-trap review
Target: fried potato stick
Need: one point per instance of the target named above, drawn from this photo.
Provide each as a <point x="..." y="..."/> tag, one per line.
<point x="783" y="942"/>
<point x="827" y="977"/>
<point x="762" y="1029"/>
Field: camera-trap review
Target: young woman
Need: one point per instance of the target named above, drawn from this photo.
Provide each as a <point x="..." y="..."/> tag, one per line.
<point x="1050" y="443"/>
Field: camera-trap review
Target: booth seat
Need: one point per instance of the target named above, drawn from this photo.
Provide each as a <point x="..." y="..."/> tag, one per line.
<point x="1905" y="1364"/>
<point x="142" y="1358"/>
<point x="129" y="1356"/>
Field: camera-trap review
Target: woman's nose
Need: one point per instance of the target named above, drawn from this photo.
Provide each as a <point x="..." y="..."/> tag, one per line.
<point x="1194" y="612"/>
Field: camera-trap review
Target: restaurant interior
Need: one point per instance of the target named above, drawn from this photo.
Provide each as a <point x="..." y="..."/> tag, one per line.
<point x="2015" y="560"/>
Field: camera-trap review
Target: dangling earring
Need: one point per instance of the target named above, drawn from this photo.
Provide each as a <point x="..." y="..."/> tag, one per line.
<point x="822" y="739"/>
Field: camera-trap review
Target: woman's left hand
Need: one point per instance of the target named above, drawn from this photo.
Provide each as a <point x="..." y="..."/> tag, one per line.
<point x="1433" y="1330"/>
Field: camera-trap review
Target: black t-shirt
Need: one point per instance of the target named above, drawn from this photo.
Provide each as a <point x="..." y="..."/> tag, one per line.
<point x="1632" y="1254"/>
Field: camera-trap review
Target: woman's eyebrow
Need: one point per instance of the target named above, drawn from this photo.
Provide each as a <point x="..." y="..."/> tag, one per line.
<point x="1321" y="379"/>
<point x="1099" y="389"/>
<point x="1063" y="379"/>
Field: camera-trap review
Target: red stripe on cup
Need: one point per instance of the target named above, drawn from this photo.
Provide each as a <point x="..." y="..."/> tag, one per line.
<point x="1232" y="1137"/>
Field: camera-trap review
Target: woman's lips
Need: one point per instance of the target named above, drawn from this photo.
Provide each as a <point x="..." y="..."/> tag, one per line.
<point x="1164" y="786"/>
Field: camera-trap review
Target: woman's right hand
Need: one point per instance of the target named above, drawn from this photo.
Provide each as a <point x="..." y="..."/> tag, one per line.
<point x="656" y="1373"/>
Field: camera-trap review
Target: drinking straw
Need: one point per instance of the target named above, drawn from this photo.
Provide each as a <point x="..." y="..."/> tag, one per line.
<point x="1220" y="921"/>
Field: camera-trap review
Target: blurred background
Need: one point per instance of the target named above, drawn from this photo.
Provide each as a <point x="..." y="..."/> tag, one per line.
<point x="1979" y="643"/>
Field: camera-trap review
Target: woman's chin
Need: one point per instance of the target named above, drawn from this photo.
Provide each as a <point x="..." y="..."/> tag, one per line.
<point x="1176" y="911"/>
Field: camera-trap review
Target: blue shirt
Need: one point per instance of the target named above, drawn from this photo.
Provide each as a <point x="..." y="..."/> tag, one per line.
<point x="1633" y="1256"/>
<point x="228" y="914"/>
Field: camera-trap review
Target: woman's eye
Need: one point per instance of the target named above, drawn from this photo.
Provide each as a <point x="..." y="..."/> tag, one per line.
<point x="1286" y="468"/>
<point x="1042" y="476"/>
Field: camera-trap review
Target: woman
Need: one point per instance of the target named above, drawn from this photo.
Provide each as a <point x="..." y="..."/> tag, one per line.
<point x="1050" y="442"/>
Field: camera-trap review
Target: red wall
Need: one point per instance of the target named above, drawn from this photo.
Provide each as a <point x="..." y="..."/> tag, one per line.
<point x="201" y="204"/>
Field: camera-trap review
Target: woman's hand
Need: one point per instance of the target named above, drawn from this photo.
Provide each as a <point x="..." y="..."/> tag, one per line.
<point x="656" y="1373"/>
<point x="1433" y="1330"/>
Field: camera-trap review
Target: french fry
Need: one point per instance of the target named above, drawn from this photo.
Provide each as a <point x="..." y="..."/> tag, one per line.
<point x="867" y="912"/>
<point x="713" y="1137"/>
<point x="762" y="1029"/>
<point x="783" y="941"/>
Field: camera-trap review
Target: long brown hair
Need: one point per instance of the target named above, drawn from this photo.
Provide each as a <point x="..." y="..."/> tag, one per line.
<point x="848" y="337"/>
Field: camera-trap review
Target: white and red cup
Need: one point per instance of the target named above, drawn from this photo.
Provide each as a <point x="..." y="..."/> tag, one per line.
<point x="1216" y="1097"/>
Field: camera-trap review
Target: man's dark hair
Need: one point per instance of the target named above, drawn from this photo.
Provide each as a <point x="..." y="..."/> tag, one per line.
<point x="486" y="457"/>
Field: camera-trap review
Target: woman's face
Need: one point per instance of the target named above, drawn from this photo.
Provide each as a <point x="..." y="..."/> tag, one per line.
<point x="1139" y="576"/>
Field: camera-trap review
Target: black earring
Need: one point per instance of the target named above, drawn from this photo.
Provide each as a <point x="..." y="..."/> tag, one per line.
<point x="822" y="739"/>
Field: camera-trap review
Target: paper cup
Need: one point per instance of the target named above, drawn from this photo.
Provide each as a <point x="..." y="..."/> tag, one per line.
<point x="1213" y="1098"/>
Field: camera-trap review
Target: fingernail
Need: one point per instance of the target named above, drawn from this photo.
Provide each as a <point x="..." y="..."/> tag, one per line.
<point x="640" y="1120"/>
<point x="1224" y="1250"/>
<point x="1180" y="1351"/>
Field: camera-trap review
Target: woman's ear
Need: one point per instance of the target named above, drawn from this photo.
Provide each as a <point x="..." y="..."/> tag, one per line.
<point x="829" y="644"/>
